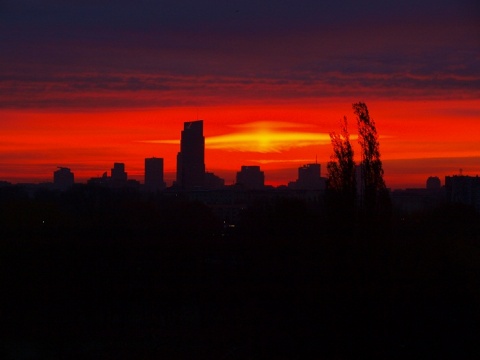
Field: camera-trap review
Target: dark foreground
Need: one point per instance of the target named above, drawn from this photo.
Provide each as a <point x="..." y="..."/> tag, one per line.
<point x="130" y="279"/>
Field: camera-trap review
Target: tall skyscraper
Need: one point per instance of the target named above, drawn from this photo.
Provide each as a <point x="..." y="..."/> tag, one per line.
<point x="154" y="174"/>
<point x="191" y="158"/>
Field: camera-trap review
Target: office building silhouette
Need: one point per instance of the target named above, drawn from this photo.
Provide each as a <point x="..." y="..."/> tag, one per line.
<point x="118" y="175"/>
<point x="251" y="177"/>
<point x="191" y="158"/>
<point x="154" y="174"/>
<point x="462" y="189"/>
<point x="63" y="178"/>
<point x="309" y="178"/>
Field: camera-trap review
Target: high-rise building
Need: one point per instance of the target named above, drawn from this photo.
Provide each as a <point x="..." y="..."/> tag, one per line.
<point x="154" y="174"/>
<point x="191" y="158"/>
<point x="309" y="177"/>
<point x="63" y="178"/>
<point x="118" y="175"/>
<point x="251" y="177"/>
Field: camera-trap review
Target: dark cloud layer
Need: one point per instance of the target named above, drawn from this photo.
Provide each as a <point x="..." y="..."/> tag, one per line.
<point x="99" y="53"/>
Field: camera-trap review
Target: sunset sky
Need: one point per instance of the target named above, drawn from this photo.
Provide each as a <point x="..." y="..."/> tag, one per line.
<point x="87" y="83"/>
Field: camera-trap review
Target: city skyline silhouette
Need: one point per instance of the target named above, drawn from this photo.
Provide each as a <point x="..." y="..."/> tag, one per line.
<point x="192" y="145"/>
<point x="198" y="151"/>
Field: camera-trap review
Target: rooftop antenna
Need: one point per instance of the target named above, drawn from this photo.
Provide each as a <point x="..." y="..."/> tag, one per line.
<point x="461" y="172"/>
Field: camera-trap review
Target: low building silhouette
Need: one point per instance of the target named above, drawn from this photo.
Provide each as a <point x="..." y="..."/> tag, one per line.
<point x="103" y="180"/>
<point x="463" y="189"/>
<point x="5" y="184"/>
<point x="309" y="178"/>
<point x="213" y="181"/>
<point x="414" y="200"/>
<point x="434" y="183"/>
<point x="63" y="179"/>
<point x="117" y="180"/>
<point x="250" y="177"/>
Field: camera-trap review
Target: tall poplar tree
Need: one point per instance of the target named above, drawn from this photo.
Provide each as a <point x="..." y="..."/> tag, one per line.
<point x="341" y="172"/>
<point x="371" y="170"/>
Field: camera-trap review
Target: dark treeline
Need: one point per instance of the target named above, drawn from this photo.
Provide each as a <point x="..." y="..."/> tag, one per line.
<point x="98" y="273"/>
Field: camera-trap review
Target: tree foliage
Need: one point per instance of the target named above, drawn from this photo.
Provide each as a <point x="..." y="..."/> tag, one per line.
<point x="372" y="183"/>
<point x="357" y="193"/>
<point x="341" y="172"/>
<point x="341" y="167"/>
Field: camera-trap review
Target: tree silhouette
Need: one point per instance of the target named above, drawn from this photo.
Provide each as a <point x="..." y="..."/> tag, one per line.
<point x="341" y="173"/>
<point x="371" y="184"/>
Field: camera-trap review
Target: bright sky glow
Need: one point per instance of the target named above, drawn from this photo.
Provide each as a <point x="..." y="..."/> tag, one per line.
<point x="261" y="137"/>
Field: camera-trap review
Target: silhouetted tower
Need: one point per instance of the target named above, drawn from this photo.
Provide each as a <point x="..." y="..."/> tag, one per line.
<point x="154" y="174"/>
<point x="118" y="174"/>
<point x="251" y="177"/>
<point x="191" y="158"/>
<point x="309" y="177"/>
<point x="63" y="178"/>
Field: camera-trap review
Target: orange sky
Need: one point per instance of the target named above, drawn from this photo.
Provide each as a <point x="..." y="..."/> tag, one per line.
<point x="85" y="84"/>
<point x="417" y="139"/>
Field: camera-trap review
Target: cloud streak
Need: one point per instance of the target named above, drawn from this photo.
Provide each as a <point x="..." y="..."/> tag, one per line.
<point x="149" y="54"/>
<point x="94" y="90"/>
